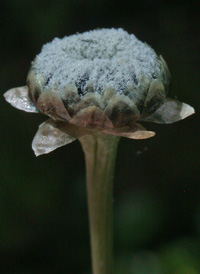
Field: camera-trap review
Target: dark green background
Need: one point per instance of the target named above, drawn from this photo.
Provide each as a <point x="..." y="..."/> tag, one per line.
<point x="43" y="211"/>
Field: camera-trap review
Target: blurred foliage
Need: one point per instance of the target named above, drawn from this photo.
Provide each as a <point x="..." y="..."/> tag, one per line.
<point x="43" y="208"/>
<point x="139" y="220"/>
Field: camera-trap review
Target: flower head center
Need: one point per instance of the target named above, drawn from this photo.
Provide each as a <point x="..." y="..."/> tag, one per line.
<point x="96" y="60"/>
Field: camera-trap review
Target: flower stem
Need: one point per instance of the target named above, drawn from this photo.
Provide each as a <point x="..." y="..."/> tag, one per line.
<point x="100" y="153"/>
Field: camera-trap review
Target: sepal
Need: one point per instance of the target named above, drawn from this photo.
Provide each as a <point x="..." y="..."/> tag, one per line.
<point x="50" y="136"/>
<point x="170" y="111"/>
<point x="19" y="98"/>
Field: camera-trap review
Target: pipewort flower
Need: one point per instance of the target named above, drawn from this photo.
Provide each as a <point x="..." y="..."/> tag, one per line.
<point x="96" y="87"/>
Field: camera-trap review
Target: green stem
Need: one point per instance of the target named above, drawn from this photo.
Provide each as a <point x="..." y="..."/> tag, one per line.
<point x="100" y="153"/>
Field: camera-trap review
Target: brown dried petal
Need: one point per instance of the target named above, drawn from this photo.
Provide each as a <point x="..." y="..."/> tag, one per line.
<point x="171" y="111"/>
<point x="166" y="73"/>
<point x="121" y="110"/>
<point x="19" y="98"/>
<point x="90" y="99"/>
<point x="155" y="97"/>
<point x="49" y="137"/>
<point x="70" y="98"/>
<point x="91" y="117"/>
<point x="136" y="132"/>
<point x="51" y="104"/>
<point x="108" y="94"/>
<point x="35" y="84"/>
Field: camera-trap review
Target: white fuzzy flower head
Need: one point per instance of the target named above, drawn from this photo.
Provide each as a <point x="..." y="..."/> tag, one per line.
<point x="103" y="80"/>
<point x="97" y="60"/>
<point x="108" y="68"/>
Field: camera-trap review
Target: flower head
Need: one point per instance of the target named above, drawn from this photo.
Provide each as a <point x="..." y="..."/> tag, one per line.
<point x="105" y="80"/>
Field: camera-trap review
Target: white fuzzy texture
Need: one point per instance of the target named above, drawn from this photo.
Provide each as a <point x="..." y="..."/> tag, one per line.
<point x="101" y="58"/>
